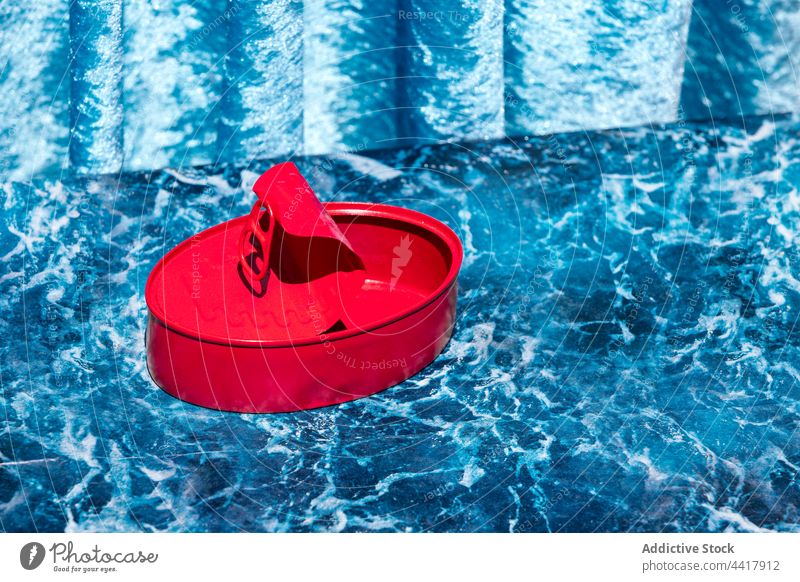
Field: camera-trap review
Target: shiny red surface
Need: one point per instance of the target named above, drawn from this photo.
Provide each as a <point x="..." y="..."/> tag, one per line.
<point x="212" y="342"/>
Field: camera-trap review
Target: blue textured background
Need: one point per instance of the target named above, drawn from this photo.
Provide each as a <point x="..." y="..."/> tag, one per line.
<point x="743" y="59"/>
<point x="99" y="86"/>
<point x="626" y="355"/>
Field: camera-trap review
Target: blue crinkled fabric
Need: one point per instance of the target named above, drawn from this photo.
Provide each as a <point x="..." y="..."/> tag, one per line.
<point x="743" y="59"/>
<point x="97" y="87"/>
<point x="351" y="75"/>
<point x="584" y="65"/>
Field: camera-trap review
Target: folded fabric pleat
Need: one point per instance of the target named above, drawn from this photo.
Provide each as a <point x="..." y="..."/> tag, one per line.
<point x="452" y="69"/>
<point x="34" y="121"/>
<point x="591" y="64"/>
<point x="98" y="86"/>
<point x="95" y="144"/>
<point x="350" y="76"/>
<point x="743" y="59"/>
<point x="262" y="104"/>
<point x="173" y="67"/>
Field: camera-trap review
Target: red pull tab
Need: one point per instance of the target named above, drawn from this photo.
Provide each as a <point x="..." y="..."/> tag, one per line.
<point x="289" y="235"/>
<point x="293" y="203"/>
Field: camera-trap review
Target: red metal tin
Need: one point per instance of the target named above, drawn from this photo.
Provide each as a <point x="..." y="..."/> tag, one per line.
<point x="377" y="314"/>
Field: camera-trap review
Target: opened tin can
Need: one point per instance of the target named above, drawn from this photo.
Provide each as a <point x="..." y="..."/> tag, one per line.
<point x="301" y="305"/>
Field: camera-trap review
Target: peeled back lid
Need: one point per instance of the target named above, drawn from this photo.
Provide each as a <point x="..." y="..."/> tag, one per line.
<point x="284" y="272"/>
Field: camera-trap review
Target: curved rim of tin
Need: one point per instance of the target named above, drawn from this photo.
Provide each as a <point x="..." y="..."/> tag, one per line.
<point x="354" y="209"/>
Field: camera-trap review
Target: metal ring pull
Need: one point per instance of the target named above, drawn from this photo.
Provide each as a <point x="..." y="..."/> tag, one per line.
<point x="255" y="244"/>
